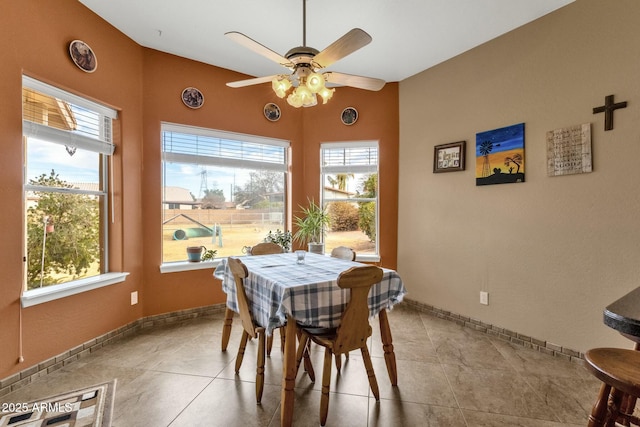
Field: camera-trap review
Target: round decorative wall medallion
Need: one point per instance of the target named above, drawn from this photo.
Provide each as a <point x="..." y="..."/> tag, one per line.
<point x="272" y="112"/>
<point x="349" y="116"/>
<point x="192" y="97"/>
<point x="83" y="56"/>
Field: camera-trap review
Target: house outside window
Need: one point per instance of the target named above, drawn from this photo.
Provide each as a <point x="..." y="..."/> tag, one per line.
<point x="350" y="196"/>
<point x="221" y="190"/>
<point x="67" y="145"/>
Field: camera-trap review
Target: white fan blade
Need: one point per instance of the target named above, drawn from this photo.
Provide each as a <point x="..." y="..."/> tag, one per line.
<point x="258" y="48"/>
<point x="360" y="82"/>
<point x="345" y="45"/>
<point x="254" y="81"/>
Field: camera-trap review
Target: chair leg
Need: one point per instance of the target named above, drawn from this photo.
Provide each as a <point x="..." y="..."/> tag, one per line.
<point x="308" y="366"/>
<point x="243" y="346"/>
<point x="226" y="328"/>
<point x="281" y="330"/>
<point x="303" y="352"/>
<point x="599" y="411"/>
<point x="615" y="401"/>
<point x="339" y="361"/>
<point x="307" y="346"/>
<point x="373" y="383"/>
<point x="387" y="346"/>
<point x="269" y="344"/>
<point x="326" y="381"/>
<point x="260" y="369"/>
<point x="301" y="346"/>
<point x="627" y="408"/>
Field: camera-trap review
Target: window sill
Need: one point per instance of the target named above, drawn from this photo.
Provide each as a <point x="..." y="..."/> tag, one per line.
<point x="174" y="267"/>
<point x="51" y="293"/>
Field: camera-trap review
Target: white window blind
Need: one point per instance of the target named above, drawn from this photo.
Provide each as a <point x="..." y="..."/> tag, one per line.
<point x="60" y="117"/>
<point x="355" y="157"/>
<point x="186" y="144"/>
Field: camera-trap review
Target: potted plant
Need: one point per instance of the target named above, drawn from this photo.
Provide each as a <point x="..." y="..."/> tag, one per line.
<point x="280" y="238"/>
<point x="311" y="227"/>
<point x="209" y="254"/>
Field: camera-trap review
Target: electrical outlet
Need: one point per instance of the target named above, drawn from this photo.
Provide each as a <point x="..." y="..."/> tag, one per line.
<point x="484" y="298"/>
<point x="134" y="298"/>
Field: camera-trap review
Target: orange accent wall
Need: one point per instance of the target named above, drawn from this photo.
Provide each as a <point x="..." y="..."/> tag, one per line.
<point x="378" y="118"/>
<point x="145" y="86"/>
<point x="35" y="36"/>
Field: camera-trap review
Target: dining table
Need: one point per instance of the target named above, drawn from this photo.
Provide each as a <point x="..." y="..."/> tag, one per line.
<point x="623" y="315"/>
<point x="284" y="292"/>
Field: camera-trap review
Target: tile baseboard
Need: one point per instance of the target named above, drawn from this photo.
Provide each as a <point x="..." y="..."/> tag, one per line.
<point x="26" y="376"/>
<point x="499" y="332"/>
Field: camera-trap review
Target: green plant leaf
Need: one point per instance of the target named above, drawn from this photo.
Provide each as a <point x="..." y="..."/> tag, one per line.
<point x="312" y="224"/>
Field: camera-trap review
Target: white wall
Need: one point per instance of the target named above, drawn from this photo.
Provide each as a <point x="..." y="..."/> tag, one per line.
<point x="553" y="251"/>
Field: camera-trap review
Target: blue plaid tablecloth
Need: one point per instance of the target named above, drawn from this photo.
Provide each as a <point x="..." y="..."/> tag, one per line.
<point x="277" y="286"/>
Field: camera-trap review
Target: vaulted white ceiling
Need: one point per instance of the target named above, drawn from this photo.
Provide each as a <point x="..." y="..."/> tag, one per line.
<point x="409" y="36"/>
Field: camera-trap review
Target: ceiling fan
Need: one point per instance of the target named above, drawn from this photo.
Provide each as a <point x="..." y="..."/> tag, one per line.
<point x="305" y="80"/>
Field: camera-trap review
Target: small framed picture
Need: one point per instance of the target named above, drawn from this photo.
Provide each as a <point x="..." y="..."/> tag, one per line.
<point x="349" y="116"/>
<point x="449" y="157"/>
<point x="272" y="112"/>
<point x="83" y="56"/>
<point x="192" y="97"/>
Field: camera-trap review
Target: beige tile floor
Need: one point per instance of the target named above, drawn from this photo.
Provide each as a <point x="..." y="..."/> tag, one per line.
<point x="448" y="376"/>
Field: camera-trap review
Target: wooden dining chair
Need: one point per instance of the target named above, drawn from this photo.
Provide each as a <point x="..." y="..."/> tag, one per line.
<point x="352" y="334"/>
<point x="349" y="254"/>
<point x="250" y="328"/>
<point x="619" y="371"/>
<point x="269" y="248"/>
<point x="266" y="248"/>
<point x="343" y="252"/>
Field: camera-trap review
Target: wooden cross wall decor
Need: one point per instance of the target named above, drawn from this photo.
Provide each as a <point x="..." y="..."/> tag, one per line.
<point x="608" y="108"/>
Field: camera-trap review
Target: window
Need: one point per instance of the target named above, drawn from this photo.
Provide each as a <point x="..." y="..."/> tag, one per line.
<point x="220" y="190"/>
<point x="350" y="196"/>
<point x="67" y="144"/>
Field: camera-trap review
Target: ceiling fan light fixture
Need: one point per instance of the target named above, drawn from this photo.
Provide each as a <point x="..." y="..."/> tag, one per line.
<point x="306" y="81"/>
<point x="311" y="101"/>
<point x="281" y="86"/>
<point x="294" y="99"/>
<point x="305" y="90"/>
<point x="326" y="94"/>
<point x="315" y="82"/>
<point x="301" y="96"/>
<point x="305" y="94"/>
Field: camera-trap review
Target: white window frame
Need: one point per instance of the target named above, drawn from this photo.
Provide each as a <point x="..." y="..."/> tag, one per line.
<point x="177" y="266"/>
<point x="333" y="170"/>
<point x="103" y="145"/>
